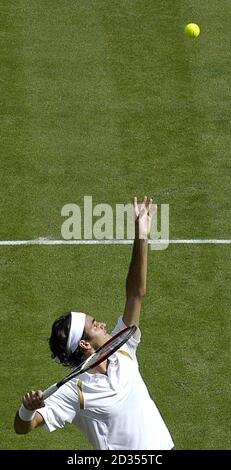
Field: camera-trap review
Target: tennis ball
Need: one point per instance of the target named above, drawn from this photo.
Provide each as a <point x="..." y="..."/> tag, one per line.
<point x="192" y="30"/>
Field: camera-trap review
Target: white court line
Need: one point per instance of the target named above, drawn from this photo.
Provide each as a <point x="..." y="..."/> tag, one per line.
<point x="46" y="241"/>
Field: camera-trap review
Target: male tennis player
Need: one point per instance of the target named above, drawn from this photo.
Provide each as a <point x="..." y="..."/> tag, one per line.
<point x="111" y="403"/>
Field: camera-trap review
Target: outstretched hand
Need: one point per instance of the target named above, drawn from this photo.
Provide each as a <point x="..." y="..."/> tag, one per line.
<point x="144" y="213"/>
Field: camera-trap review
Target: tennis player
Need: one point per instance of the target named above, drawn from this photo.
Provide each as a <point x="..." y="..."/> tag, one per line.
<point x="111" y="403"/>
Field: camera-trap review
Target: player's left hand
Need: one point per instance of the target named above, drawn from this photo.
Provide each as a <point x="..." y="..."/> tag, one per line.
<point x="144" y="213"/>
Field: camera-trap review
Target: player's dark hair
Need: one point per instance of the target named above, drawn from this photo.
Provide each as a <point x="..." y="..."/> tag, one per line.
<point x="58" y="342"/>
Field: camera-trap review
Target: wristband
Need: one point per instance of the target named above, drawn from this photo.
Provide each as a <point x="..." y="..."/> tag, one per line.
<point x="25" y="414"/>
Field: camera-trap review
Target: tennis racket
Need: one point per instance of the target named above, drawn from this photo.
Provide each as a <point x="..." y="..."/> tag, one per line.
<point x="96" y="358"/>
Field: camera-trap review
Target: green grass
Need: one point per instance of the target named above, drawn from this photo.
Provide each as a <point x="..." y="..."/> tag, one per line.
<point x="110" y="99"/>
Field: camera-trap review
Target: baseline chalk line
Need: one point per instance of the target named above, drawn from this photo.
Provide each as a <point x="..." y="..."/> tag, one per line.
<point x="46" y="241"/>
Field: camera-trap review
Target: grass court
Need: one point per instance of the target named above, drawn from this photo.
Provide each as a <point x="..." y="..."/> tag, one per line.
<point x="111" y="99"/>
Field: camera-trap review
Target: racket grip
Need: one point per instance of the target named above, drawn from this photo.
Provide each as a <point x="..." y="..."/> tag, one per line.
<point x="49" y="391"/>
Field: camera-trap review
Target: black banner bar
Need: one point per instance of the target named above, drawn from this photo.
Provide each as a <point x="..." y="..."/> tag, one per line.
<point x="101" y="459"/>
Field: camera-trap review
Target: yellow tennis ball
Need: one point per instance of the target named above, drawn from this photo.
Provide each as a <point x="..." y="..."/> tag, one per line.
<point x="192" y="30"/>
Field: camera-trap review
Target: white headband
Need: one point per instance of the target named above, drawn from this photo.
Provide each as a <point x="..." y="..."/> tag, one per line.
<point x="76" y="330"/>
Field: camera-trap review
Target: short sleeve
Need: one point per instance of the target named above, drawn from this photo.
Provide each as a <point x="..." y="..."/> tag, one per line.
<point x="61" y="407"/>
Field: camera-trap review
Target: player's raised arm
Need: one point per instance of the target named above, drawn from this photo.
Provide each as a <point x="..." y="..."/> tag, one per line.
<point x="137" y="274"/>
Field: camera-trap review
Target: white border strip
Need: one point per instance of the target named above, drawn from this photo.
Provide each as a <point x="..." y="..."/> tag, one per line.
<point x="46" y="241"/>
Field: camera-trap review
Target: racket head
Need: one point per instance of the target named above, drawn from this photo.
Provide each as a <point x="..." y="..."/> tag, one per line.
<point x="111" y="346"/>
<point x="102" y="353"/>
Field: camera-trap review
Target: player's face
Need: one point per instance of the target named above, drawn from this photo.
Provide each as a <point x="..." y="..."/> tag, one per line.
<point x="95" y="331"/>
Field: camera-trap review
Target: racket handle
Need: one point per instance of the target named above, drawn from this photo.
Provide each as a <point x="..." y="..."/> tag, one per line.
<point x="49" y="391"/>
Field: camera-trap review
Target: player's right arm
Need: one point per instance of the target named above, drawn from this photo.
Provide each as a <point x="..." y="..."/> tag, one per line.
<point x="27" y="418"/>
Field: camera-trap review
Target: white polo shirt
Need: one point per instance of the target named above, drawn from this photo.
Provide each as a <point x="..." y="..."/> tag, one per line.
<point x="115" y="411"/>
